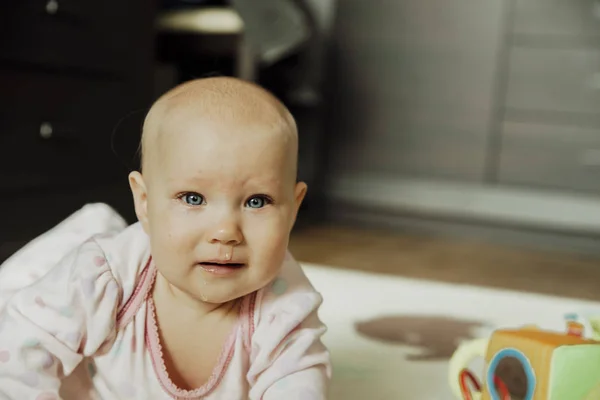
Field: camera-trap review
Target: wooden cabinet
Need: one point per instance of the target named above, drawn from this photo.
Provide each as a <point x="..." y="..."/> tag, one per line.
<point x="75" y="79"/>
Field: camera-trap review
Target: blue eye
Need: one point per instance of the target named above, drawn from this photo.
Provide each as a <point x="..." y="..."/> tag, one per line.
<point x="193" y="199"/>
<point x="258" y="202"/>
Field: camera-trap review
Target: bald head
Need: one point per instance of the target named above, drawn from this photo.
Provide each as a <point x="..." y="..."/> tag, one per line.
<point x="221" y="101"/>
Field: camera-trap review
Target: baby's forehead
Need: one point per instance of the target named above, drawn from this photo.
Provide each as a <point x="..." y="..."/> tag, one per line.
<point x="203" y="111"/>
<point x="217" y="138"/>
<point x="183" y="132"/>
<point x="220" y="163"/>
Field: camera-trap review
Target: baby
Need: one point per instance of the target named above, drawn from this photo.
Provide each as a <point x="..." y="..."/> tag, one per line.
<point x="198" y="300"/>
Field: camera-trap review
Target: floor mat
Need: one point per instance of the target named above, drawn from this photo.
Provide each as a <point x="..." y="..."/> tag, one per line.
<point x="391" y="337"/>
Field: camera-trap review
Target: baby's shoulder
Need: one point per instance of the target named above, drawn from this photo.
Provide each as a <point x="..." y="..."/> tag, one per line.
<point x="126" y="253"/>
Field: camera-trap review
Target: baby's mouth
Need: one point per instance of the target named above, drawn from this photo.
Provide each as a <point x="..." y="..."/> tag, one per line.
<point x="217" y="264"/>
<point x="221" y="268"/>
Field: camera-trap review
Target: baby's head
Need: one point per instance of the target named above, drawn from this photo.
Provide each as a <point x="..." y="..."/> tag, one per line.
<point x="218" y="185"/>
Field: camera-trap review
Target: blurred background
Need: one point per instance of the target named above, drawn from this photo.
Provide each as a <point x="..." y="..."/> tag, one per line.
<point x="447" y="139"/>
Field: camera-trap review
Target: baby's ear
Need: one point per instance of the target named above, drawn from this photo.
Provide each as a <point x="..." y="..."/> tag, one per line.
<point x="299" y="193"/>
<point x="140" y="197"/>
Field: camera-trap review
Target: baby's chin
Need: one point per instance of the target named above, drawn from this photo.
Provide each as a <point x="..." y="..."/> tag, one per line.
<point x="211" y="294"/>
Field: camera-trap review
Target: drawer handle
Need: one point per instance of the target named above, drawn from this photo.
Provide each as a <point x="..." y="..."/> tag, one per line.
<point x="46" y="130"/>
<point x="52" y="7"/>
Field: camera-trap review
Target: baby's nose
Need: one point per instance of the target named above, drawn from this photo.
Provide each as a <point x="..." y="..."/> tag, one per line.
<point x="229" y="235"/>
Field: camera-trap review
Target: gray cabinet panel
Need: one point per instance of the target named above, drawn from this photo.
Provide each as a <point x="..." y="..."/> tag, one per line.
<point x="558" y="80"/>
<point x="415" y="86"/>
<point x="410" y="142"/>
<point x="553" y="156"/>
<point x="556" y="17"/>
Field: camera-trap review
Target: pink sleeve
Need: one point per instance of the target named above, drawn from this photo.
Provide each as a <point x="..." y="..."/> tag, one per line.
<point x="288" y="358"/>
<point x="48" y="327"/>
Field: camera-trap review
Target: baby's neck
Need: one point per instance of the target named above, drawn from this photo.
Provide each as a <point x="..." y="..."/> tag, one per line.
<point x="173" y="298"/>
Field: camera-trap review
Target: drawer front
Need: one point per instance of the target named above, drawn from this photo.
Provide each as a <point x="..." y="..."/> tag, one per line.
<point x="552" y="156"/>
<point x="31" y="159"/>
<point x="103" y="36"/>
<point x="56" y="130"/>
<point x="557" y="17"/>
<point x="554" y="80"/>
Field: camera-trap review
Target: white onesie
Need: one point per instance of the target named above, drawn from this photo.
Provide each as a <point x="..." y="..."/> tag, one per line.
<point x="86" y="329"/>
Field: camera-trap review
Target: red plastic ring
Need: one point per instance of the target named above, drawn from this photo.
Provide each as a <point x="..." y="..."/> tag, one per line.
<point x="463" y="376"/>
<point x="466" y="375"/>
<point x="502" y="389"/>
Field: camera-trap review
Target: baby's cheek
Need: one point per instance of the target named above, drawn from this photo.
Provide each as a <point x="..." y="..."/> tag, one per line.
<point x="168" y="248"/>
<point x="270" y="252"/>
<point x="272" y="230"/>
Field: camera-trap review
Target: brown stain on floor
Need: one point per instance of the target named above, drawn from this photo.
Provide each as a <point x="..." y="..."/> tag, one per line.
<point x="437" y="337"/>
<point x="452" y="261"/>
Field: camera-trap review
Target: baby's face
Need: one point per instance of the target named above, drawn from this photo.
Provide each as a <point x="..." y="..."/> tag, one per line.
<point x="220" y="193"/>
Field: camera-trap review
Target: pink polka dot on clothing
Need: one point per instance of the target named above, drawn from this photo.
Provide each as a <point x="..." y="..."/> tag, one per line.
<point x="40" y="302"/>
<point x="4" y="356"/>
<point x="47" y="396"/>
<point x="47" y="361"/>
<point x="99" y="261"/>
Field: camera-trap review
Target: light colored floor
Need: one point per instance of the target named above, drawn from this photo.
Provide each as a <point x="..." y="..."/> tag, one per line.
<point x="390" y="337"/>
<point x="446" y="260"/>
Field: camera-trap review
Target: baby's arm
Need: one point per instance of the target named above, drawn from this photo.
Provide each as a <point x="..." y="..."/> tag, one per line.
<point x="288" y="357"/>
<point x="48" y="327"/>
